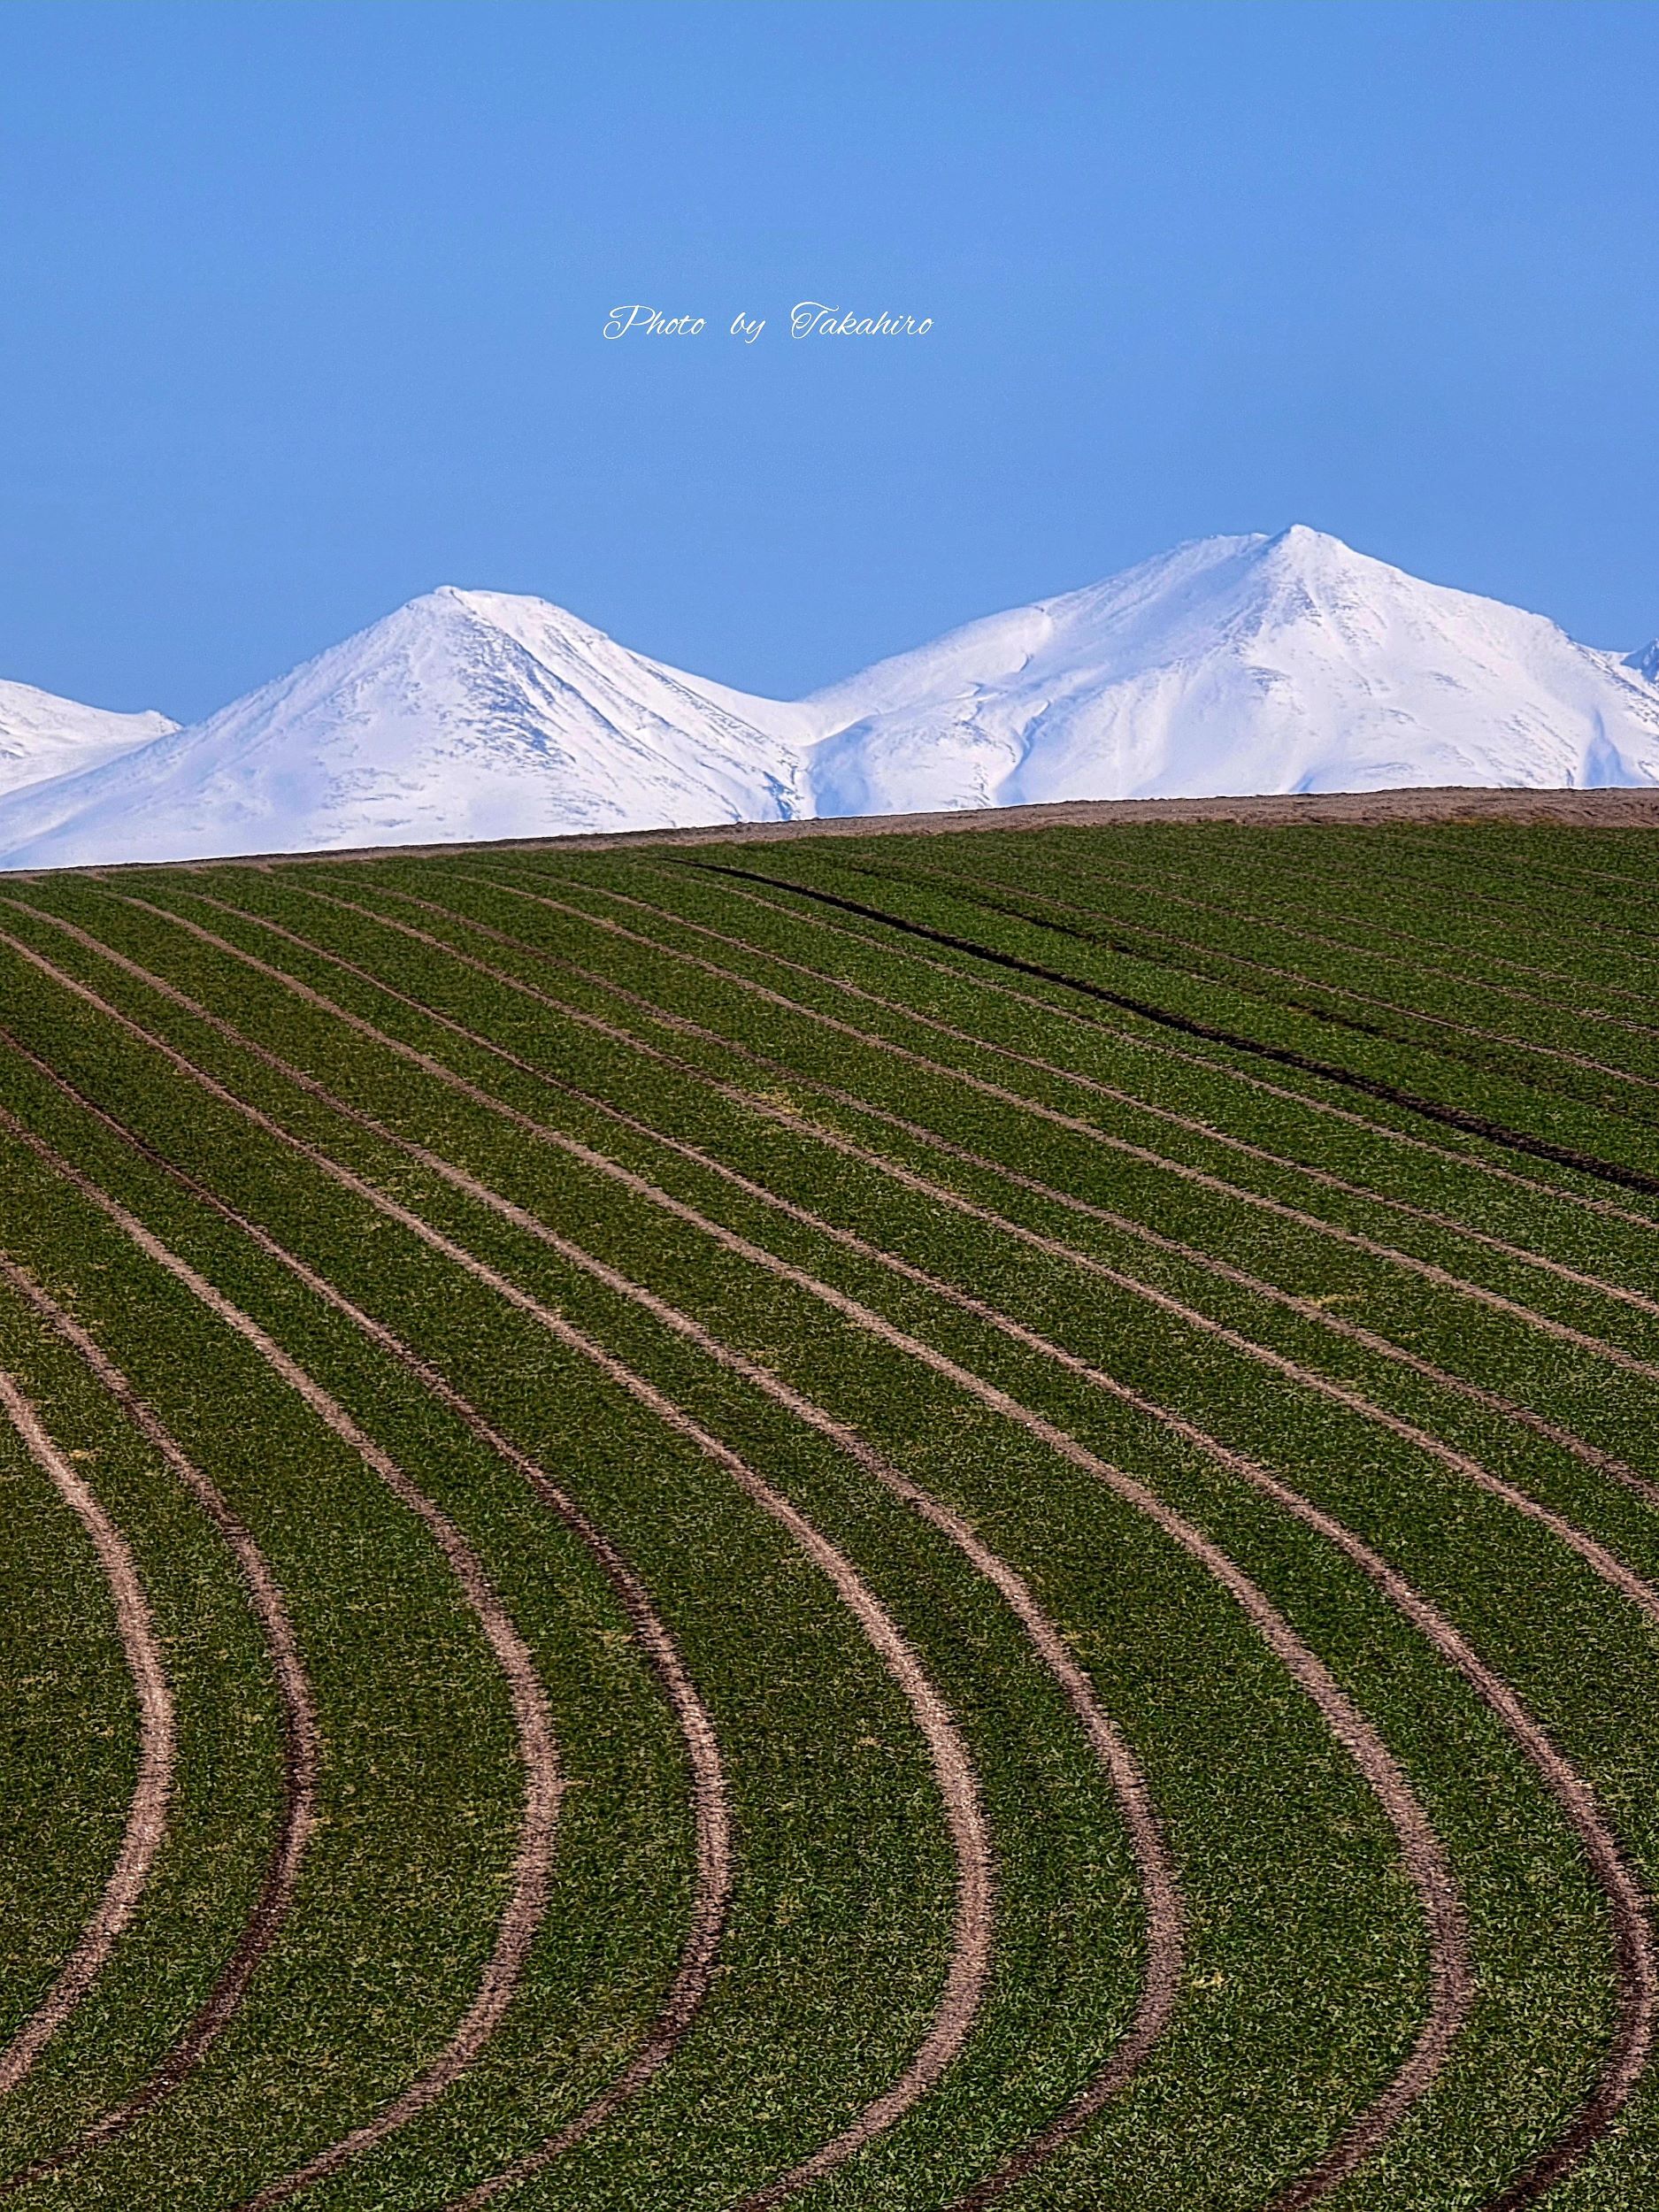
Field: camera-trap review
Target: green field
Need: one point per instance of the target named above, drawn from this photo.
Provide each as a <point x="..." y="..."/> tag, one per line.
<point x="901" y="1522"/>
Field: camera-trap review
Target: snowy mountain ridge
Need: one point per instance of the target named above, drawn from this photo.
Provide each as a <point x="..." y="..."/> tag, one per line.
<point x="1230" y="666"/>
<point x="42" y="736"/>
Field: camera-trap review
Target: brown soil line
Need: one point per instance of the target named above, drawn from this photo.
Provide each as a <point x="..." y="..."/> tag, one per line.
<point x="1431" y="1110"/>
<point x="1603" y="1562"/>
<point x="1616" y="809"/>
<point x="1604" y="1462"/>
<point x="1099" y="935"/>
<point x="1420" y="1849"/>
<point x="300" y="1745"/>
<point x="1636" y="1962"/>
<point x="710" y="1800"/>
<point x="1158" y="1047"/>
<point x="1158" y="1883"/>
<point x="1639" y="1979"/>
<point x="544" y="1783"/>
<point x="1157" y="1877"/>
<point x="974" y="1914"/>
<point x="1322" y="1177"/>
<point x="973" y="1919"/>
<point x="1636" y="1967"/>
<point x="1090" y="1131"/>
<point x="146" y="1823"/>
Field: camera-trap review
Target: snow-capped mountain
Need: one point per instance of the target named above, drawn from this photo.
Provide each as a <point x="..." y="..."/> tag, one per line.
<point x="1230" y="666"/>
<point x="464" y="715"/>
<point x="42" y="736"/>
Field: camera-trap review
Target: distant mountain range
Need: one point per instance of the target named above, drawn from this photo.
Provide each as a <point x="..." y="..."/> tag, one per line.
<point x="1231" y="666"/>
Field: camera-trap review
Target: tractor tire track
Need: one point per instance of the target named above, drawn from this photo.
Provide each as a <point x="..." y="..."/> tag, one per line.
<point x="973" y="1918"/>
<point x="1592" y="1456"/>
<point x="1636" y="1962"/>
<point x="538" y="1752"/>
<point x="1521" y="916"/>
<point x="1421" y="1851"/>
<point x="145" y="1827"/>
<point x="711" y="1804"/>
<point x="301" y="1748"/>
<point x="1329" y="1071"/>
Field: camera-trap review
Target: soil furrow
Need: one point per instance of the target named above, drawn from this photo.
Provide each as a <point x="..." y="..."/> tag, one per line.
<point x="146" y="1824"/>
<point x="544" y="1783"/>
<point x="1603" y="1562"/>
<point x="1426" y="1269"/>
<point x="300" y="1745"/>
<point x="971" y="1935"/>
<point x="1329" y="1071"/>
<point x="1161" y="1048"/>
<point x="1521" y="915"/>
<point x="710" y="1806"/>
<point x="1159" y="1887"/>
<point x="1451" y="1971"/>
<point x="1636" y="1965"/>
<point x="1639" y="1977"/>
<point x="1419" y="1849"/>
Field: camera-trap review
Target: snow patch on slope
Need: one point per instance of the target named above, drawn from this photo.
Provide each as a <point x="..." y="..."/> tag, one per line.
<point x="42" y="736"/>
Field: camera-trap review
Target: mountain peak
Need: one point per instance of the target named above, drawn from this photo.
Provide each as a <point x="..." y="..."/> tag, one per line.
<point x="1301" y="541"/>
<point x="1315" y="556"/>
<point x="1251" y="663"/>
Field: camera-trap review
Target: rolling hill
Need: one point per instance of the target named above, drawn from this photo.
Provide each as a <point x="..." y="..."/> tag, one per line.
<point x="835" y="1522"/>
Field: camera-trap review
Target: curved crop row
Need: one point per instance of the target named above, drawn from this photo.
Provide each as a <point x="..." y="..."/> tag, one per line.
<point x="869" y="1583"/>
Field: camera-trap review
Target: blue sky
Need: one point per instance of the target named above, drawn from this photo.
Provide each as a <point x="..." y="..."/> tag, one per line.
<point x="301" y="311"/>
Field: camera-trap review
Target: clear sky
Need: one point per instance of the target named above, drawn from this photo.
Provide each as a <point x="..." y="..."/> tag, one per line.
<point x="301" y="311"/>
